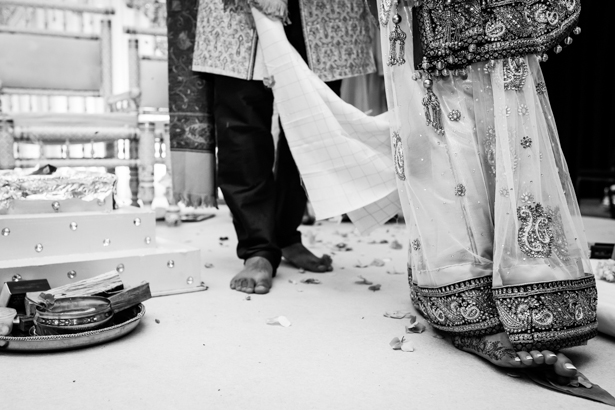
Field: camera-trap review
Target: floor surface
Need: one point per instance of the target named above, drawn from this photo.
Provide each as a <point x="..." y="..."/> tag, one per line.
<point x="215" y="350"/>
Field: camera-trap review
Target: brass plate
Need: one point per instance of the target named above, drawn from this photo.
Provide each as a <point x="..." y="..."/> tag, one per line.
<point x="124" y="323"/>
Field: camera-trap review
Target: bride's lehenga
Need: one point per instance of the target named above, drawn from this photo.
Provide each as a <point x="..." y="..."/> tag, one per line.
<point x="497" y="242"/>
<point x="496" y="237"/>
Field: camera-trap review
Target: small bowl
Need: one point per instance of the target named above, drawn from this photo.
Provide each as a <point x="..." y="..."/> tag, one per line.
<point x="73" y="315"/>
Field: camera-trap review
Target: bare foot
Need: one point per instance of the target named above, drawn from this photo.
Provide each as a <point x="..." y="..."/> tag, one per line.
<point x="255" y="277"/>
<point x="498" y="350"/>
<point x="301" y="257"/>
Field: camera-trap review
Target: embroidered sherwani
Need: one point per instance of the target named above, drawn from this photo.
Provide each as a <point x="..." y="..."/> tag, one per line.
<point x="496" y="238"/>
<point x="335" y="34"/>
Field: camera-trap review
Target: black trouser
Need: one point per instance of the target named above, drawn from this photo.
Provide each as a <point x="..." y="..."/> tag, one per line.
<point x="267" y="205"/>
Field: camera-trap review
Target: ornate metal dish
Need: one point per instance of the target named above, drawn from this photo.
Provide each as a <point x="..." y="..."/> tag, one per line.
<point x="73" y="315"/>
<point x="123" y="323"/>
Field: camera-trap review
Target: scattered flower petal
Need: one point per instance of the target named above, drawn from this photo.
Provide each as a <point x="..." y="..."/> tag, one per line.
<point x="395" y="343"/>
<point x="294" y="282"/>
<point x="157" y="320"/>
<point x="340" y="245"/>
<point x="399" y="314"/>
<point x="377" y="262"/>
<point x="280" y="321"/>
<point x="360" y="264"/>
<point x="363" y="281"/>
<point x="311" y="281"/>
<point x="224" y="238"/>
<point x="402" y="344"/>
<point x="374" y="287"/>
<point x="406" y="346"/>
<point x="248" y="297"/>
<point x="209" y="265"/>
<point x="395" y="245"/>
<point x="415" y="326"/>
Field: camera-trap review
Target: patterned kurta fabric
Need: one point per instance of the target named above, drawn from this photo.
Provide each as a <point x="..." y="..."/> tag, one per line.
<point x="496" y="238"/>
<point x="337" y="34"/>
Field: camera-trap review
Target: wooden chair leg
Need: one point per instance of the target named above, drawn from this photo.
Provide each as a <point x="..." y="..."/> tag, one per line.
<point x="111" y="152"/>
<point x="146" y="164"/>
<point x="134" y="175"/>
<point x="7" y="143"/>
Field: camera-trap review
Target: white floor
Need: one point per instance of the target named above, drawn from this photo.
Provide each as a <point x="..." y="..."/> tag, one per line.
<point x="214" y="350"/>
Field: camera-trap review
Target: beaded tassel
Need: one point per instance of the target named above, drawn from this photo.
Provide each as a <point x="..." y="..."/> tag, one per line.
<point x="433" y="111"/>
<point x="397" y="39"/>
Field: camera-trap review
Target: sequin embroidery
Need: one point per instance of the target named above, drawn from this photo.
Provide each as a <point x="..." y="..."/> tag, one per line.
<point x="454" y="115"/>
<point x="490" y="148"/>
<point x="515" y="74"/>
<point x="398" y="157"/>
<point x="456" y="34"/>
<point x="535" y="235"/>
<point x="541" y="88"/>
<point x="464" y="308"/>
<point x="548" y="315"/>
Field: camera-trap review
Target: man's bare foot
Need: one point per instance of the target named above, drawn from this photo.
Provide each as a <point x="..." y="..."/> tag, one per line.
<point x="301" y="257"/>
<point x="255" y="277"/>
<point x="498" y="350"/>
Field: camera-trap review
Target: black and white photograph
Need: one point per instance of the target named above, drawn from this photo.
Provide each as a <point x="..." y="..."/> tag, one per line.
<point x="307" y="204"/>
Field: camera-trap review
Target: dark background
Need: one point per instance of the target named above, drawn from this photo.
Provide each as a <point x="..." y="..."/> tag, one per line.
<point x="581" y="92"/>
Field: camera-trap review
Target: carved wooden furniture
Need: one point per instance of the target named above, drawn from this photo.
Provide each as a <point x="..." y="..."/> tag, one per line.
<point x="148" y="81"/>
<point x="67" y="78"/>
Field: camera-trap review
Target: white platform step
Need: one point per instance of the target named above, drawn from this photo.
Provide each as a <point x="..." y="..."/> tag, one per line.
<point x="36" y="236"/>
<point x="169" y="268"/>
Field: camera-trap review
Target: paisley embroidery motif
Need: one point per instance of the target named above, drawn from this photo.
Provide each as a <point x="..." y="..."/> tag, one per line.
<point x="535" y="235"/>
<point x="515" y="73"/>
<point x="465" y="308"/>
<point x="550" y="315"/>
<point x="398" y="157"/>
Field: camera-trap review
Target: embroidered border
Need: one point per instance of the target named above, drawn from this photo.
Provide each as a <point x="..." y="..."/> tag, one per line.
<point x="455" y="34"/>
<point x="463" y="309"/>
<point x="550" y="315"/>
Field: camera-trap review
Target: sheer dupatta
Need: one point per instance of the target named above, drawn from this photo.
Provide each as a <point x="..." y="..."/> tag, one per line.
<point x="497" y="241"/>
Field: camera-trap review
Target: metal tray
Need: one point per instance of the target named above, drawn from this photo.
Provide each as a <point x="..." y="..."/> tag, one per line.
<point x="124" y="323"/>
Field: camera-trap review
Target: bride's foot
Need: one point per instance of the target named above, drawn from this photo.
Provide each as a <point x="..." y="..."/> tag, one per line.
<point x="498" y="350"/>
